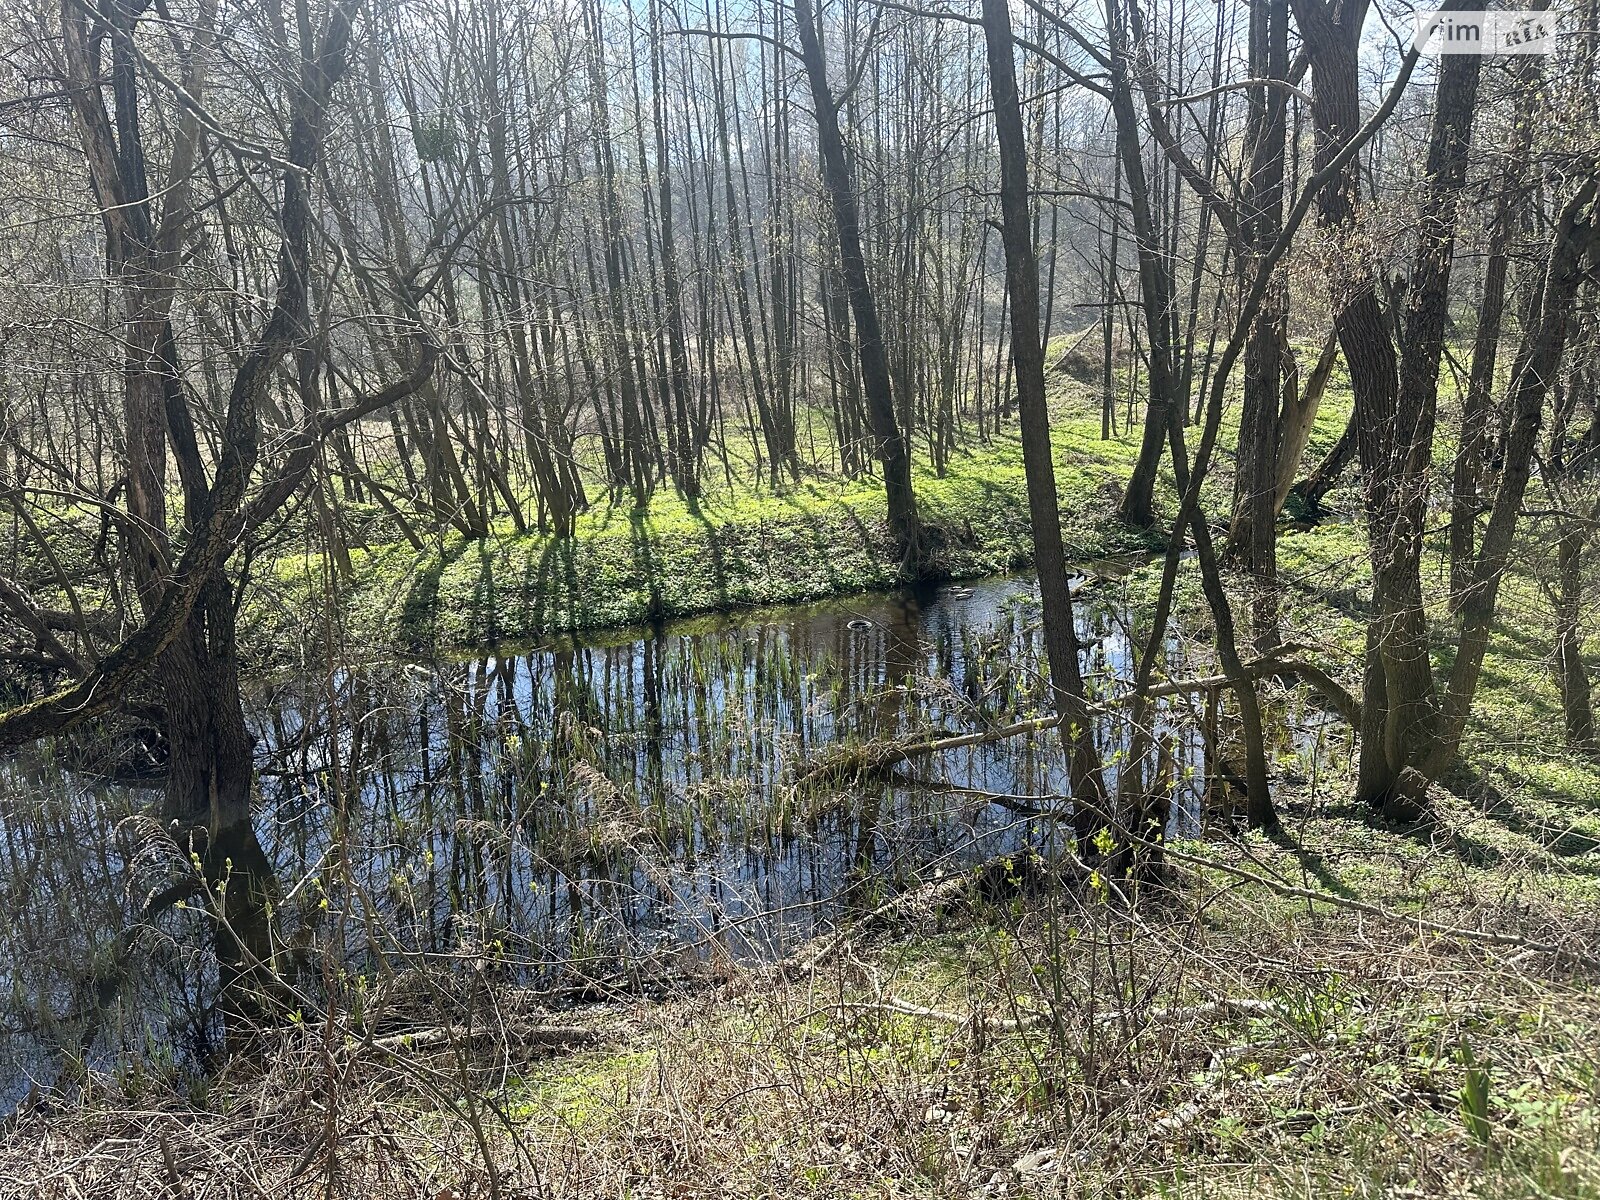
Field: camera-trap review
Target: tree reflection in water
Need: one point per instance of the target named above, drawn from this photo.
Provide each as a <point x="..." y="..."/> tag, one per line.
<point x="539" y="813"/>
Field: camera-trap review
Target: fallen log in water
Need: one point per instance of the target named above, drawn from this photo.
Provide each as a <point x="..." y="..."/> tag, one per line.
<point x="874" y="758"/>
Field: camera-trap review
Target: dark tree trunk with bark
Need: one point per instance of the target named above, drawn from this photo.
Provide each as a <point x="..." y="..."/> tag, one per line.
<point x="892" y="452"/>
<point x="1027" y="351"/>
<point x="1395" y="402"/>
<point x="1577" y="707"/>
<point x="1161" y="409"/>
<point x="1253" y="538"/>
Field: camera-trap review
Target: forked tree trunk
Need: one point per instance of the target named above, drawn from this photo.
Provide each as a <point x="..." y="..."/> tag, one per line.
<point x="1398" y="499"/>
<point x="1395" y="403"/>
<point x="1300" y="418"/>
<point x="187" y="634"/>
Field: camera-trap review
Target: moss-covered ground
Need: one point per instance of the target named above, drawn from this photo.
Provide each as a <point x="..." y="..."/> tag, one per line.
<point x="741" y="545"/>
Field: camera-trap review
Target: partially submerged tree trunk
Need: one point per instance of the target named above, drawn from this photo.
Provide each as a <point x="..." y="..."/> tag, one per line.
<point x="186" y="633"/>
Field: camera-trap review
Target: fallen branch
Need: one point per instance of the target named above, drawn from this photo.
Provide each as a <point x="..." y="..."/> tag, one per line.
<point x="1484" y="936"/>
<point x="1026" y="806"/>
<point x="544" y="1037"/>
<point x="998" y="878"/>
<point x="872" y="758"/>
<point x="1227" y="1007"/>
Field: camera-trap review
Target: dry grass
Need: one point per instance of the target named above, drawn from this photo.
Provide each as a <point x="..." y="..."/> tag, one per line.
<point x="1066" y="1045"/>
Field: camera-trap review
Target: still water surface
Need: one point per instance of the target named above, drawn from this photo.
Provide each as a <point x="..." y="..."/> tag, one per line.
<point x="564" y="806"/>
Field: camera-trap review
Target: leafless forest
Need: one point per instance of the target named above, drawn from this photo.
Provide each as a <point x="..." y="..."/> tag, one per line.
<point x="403" y="403"/>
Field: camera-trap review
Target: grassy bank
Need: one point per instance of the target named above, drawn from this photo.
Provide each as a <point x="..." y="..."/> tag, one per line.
<point x="740" y="547"/>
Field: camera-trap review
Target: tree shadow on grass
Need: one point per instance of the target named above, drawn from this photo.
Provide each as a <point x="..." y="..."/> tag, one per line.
<point x="1487" y="795"/>
<point x="1428" y="833"/>
<point x="644" y="561"/>
<point x="717" y="553"/>
<point x="419" y="609"/>
<point x="1312" y="862"/>
<point x="825" y="548"/>
<point x="823" y="553"/>
<point x="553" y="582"/>
<point x="484" y="611"/>
<point x="550" y="588"/>
<point x="1484" y="796"/>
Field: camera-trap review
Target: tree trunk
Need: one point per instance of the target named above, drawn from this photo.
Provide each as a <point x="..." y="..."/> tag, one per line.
<point x="1395" y="402"/>
<point x="1138" y="500"/>
<point x="1027" y="350"/>
<point x="1314" y="488"/>
<point x="1576" y="706"/>
<point x="1300" y="417"/>
<point x="1472" y="446"/>
<point x="1253" y="538"/>
<point x="1398" y="497"/>
<point x="892" y="451"/>
<point x="1574" y="240"/>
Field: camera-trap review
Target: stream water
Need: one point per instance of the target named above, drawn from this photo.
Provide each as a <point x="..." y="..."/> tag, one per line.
<point x="564" y="806"/>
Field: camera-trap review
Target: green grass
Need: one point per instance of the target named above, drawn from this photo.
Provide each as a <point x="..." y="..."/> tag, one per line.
<point x="738" y="548"/>
<point x="807" y="1086"/>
